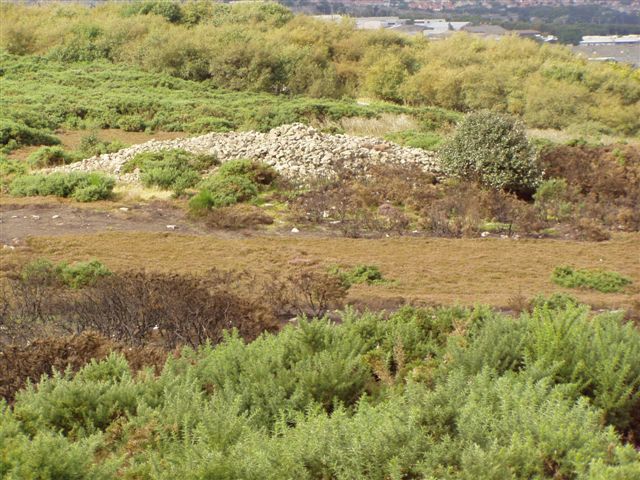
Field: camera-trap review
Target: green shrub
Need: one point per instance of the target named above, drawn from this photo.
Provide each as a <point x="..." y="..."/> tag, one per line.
<point x="9" y="169"/>
<point x="601" y="280"/>
<point x="75" y="275"/>
<point x="256" y="172"/>
<point x="170" y="169"/>
<point x="14" y="134"/>
<point x="595" y="357"/>
<point x="132" y="123"/>
<point x="369" y="274"/>
<point x="84" y="187"/>
<point x="222" y="191"/>
<point x="50" y="156"/>
<point x="551" y="199"/>
<point x="492" y="149"/>
<point x="366" y="397"/>
<point x="82" y="274"/>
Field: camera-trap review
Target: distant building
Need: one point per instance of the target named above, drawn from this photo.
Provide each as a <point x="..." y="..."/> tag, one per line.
<point x="488" y="31"/>
<point x="609" y="39"/>
<point x="374" y="23"/>
<point x="610" y="52"/>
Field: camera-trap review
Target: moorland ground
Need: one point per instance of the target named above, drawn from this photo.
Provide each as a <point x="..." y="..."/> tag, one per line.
<point x="478" y="320"/>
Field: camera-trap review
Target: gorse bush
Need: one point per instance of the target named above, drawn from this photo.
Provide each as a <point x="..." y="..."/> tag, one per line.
<point x="365" y="398"/>
<point x="259" y="173"/>
<point x="83" y="187"/>
<point x="218" y="191"/>
<point x="601" y="280"/>
<point x="492" y="149"/>
<point x="9" y="169"/>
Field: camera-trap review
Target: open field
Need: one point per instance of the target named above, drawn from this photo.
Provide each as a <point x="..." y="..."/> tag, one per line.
<point x="431" y="270"/>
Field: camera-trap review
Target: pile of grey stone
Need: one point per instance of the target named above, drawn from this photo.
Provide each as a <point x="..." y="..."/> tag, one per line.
<point x="296" y="151"/>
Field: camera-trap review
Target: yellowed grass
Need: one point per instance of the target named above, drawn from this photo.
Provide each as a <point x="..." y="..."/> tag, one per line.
<point x="563" y="136"/>
<point x="467" y="271"/>
<point x="378" y="127"/>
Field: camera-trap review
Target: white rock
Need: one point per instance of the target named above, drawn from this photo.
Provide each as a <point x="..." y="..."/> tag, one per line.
<point x="295" y="230"/>
<point x="55" y="216"/>
<point x="485" y="234"/>
<point x="123" y="209"/>
<point x="172" y="227"/>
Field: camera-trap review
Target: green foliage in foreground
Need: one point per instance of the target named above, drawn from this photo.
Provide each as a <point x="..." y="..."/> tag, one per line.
<point x="437" y="393"/>
<point x="75" y="275"/>
<point x="601" y="280"/>
<point x="83" y="187"/>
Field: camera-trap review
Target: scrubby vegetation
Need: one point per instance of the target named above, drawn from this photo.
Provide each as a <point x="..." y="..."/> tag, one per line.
<point x="235" y="181"/>
<point x="265" y="48"/>
<point x="84" y="187"/>
<point x="50" y="157"/>
<point x="174" y="170"/>
<point x="600" y="280"/>
<point x="447" y="393"/>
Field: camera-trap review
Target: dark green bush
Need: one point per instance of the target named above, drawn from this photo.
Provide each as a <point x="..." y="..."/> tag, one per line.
<point x="222" y="191"/>
<point x="601" y="280"/>
<point x="84" y="187"/>
<point x="14" y="134"/>
<point x="492" y="149"/>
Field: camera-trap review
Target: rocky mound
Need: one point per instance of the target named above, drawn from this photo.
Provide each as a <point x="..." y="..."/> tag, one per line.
<point x="296" y="151"/>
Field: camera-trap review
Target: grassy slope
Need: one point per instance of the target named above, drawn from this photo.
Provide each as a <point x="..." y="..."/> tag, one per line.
<point x="49" y="94"/>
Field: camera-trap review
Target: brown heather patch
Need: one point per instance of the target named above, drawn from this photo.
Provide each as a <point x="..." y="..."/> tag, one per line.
<point x="431" y="270"/>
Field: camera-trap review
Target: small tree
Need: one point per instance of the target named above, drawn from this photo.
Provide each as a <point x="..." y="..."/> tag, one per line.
<point x="493" y="150"/>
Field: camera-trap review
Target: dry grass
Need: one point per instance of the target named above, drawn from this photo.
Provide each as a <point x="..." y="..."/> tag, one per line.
<point x="467" y="271"/>
<point x="378" y="127"/>
<point x="564" y="136"/>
